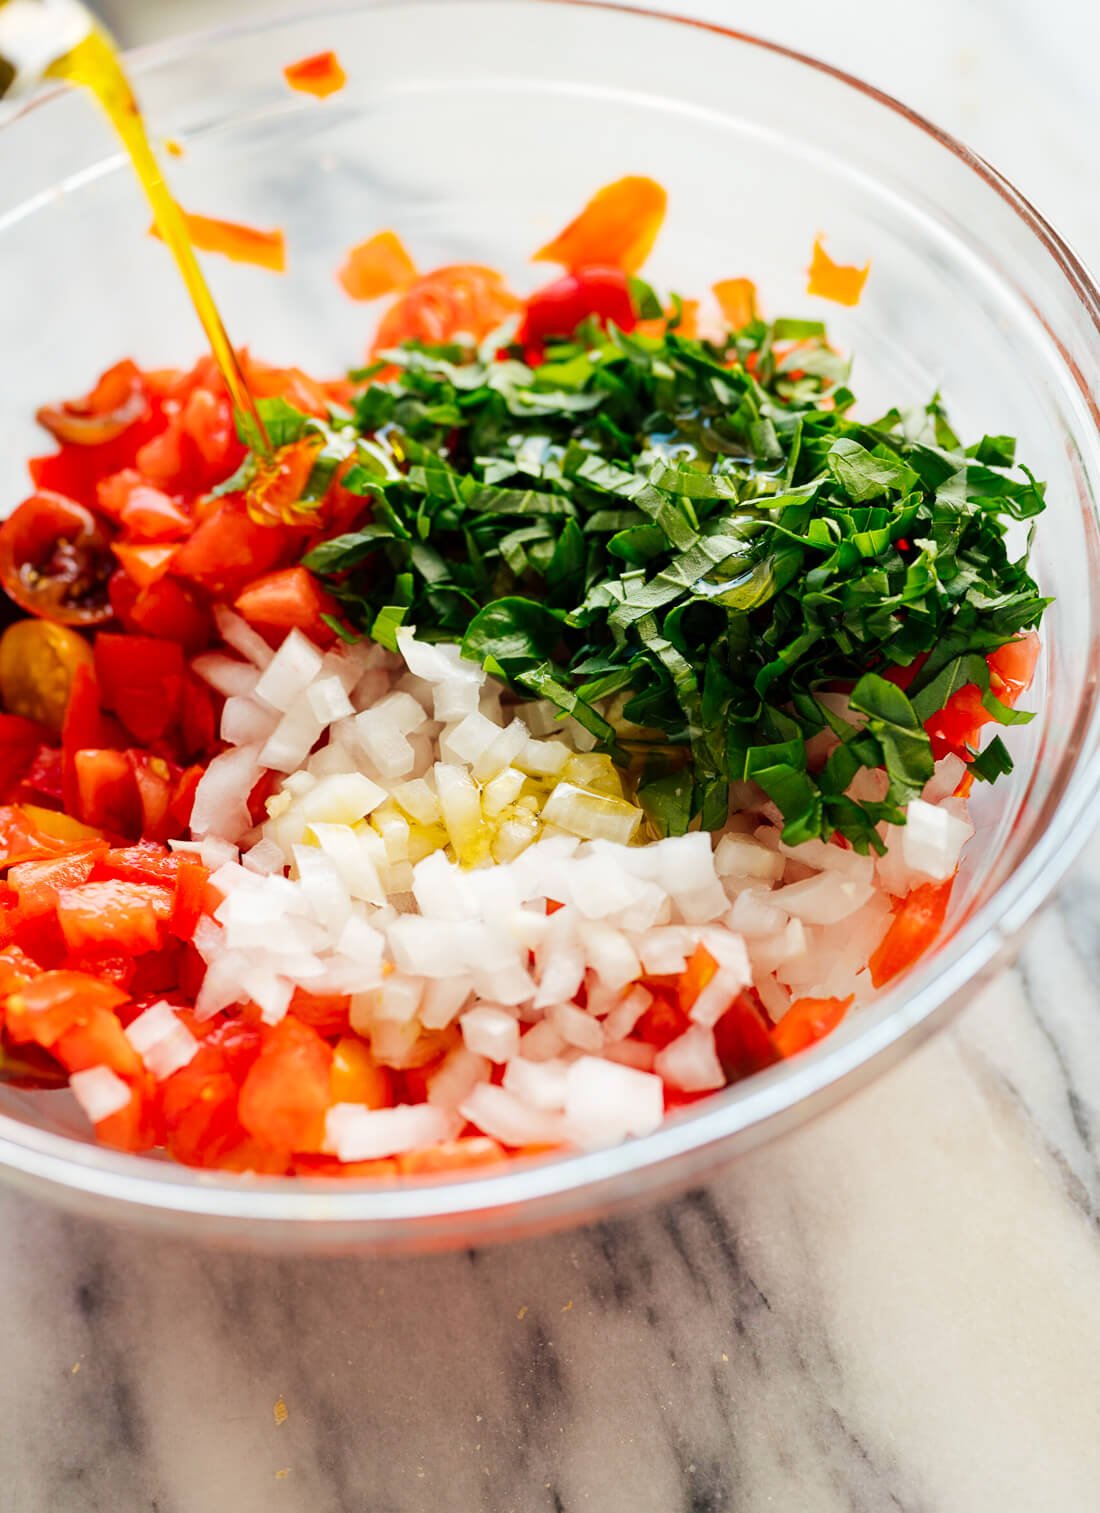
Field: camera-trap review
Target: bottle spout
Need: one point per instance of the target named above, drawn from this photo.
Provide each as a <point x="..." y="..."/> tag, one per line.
<point x="34" y="36"/>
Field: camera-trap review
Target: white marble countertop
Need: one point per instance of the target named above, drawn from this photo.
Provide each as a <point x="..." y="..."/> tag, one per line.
<point x="896" y="1307"/>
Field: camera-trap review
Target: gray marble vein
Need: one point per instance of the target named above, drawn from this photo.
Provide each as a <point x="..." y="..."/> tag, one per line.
<point x="894" y="1309"/>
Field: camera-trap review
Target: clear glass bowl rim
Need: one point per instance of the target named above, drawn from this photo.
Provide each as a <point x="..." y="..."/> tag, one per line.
<point x="528" y="1195"/>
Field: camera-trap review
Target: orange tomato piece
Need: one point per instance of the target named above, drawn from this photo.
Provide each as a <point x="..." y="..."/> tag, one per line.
<point x="356" y="1077"/>
<point x="321" y="74"/>
<point x="144" y="565"/>
<point x="737" y="299"/>
<point x="840" y="282"/>
<point x="700" y="969"/>
<point x="462" y="299"/>
<point x="618" y="226"/>
<point x="286" y="1093"/>
<point x="232" y="239"/>
<point x="915" y="926"/>
<point x="807" y="1021"/>
<point x="380" y="265"/>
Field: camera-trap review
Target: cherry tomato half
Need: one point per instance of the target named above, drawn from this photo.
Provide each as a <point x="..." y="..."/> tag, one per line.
<point x="56" y="560"/>
<point x="116" y="403"/>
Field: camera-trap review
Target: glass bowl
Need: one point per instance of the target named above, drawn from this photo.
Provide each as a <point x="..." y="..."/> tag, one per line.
<point x="476" y="128"/>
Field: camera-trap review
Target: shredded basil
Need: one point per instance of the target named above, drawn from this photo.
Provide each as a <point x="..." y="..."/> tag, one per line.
<point x="698" y="537"/>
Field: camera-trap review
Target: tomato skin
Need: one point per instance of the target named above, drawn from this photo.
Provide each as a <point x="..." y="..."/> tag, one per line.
<point x="290" y="599"/>
<point x="55" y="560"/>
<point x="286" y="1094"/>
<point x="807" y="1021"/>
<point x="915" y="926"/>
<point x="560" y="307"/>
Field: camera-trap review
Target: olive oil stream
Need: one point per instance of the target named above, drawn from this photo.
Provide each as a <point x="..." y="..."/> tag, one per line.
<point x="93" y="63"/>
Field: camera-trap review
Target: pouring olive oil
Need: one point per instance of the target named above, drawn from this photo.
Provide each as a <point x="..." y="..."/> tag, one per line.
<point x="59" y="39"/>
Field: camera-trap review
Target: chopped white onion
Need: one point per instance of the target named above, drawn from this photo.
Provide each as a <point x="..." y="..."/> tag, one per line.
<point x="100" y="1092"/>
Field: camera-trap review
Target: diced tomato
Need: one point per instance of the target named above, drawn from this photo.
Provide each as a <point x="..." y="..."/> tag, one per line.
<point x="98" y="1041"/>
<point x="463" y="1154"/>
<point x="141" y="679"/>
<point x="135" y="1127"/>
<point x="663" y="1022"/>
<point x="198" y="720"/>
<point x="742" y="1037"/>
<point x="228" y="549"/>
<point x="461" y="298"/>
<point x="107" y="793"/>
<point x="143" y="565"/>
<point x="143" y="863"/>
<point x="199" y="1109"/>
<point x="190" y="900"/>
<point x="85" y="728"/>
<point x="286" y="1094"/>
<point x="326" y="1013"/>
<point x="560" y="307"/>
<point x="125" y="916"/>
<point x="146" y="512"/>
<point x="44" y="778"/>
<point x="807" y="1021"/>
<point x="155" y="780"/>
<point x="16" y="969"/>
<point x="37" y="884"/>
<point x="166" y="609"/>
<point x="287" y="600"/>
<point x="21" y="741"/>
<point x="47" y="1005"/>
<point x="208" y="420"/>
<point x="183" y="799"/>
<point x="915" y="926"/>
